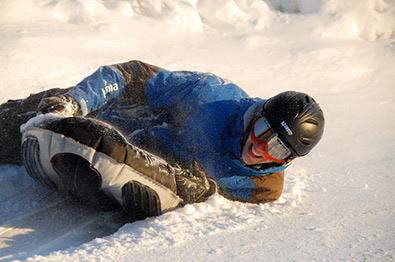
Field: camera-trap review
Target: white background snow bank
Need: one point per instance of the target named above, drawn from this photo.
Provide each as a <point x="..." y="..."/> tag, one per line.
<point x="371" y="20"/>
<point x="338" y="202"/>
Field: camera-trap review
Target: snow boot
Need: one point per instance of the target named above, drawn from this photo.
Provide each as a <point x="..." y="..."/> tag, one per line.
<point x="92" y="161"/>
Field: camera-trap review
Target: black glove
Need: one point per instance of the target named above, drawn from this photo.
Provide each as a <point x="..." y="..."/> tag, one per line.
<point x="193" y="185"/>
<point x="62" y="104"/>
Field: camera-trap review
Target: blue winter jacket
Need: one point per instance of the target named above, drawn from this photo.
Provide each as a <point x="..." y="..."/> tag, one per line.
<point x="181" y="116"/>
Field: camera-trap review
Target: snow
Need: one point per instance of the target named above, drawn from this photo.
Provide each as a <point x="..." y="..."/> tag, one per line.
<point x="338" y="203"/>
<point x="39" y="119"/>
<point x="370" y="20"/>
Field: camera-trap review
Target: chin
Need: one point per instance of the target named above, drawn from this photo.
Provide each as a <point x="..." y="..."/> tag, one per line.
<point x="245" y="161"/>
<point x="249" y="160"/>
<point x="246" y="155"/>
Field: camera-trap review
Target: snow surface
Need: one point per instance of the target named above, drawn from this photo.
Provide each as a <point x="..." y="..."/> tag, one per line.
<point x="339" y="201"/>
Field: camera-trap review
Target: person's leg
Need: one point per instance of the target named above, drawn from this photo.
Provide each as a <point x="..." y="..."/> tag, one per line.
<point x="13" y="114"/>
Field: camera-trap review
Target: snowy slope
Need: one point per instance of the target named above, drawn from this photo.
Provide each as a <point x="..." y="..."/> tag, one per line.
<point x="338" y="202"/>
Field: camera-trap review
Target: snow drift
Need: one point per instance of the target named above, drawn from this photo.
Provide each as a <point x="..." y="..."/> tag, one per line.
<point x="369" y="19"/>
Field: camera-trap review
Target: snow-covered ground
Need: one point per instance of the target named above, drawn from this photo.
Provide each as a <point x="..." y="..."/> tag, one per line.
<point x="339" y="202"/>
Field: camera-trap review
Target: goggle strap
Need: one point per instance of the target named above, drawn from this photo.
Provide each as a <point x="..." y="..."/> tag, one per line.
<point x="269" y="157"/>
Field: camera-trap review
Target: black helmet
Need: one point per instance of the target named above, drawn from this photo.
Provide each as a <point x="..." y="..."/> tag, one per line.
<point x="298" y="120"/>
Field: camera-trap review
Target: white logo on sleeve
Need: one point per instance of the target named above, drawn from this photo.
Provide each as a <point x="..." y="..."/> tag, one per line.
<point x="109" y="88"/>
<point x="286" y="127"/>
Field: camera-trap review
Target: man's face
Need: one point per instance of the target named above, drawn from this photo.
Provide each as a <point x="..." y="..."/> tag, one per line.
<point x="252" y="153"/>
<point x="264" y="145"/>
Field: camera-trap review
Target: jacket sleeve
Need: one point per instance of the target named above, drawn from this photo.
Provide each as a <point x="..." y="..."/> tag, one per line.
<point x="267" y="188"/>
<point x="255" y="189"/>
<point x="125" y="80"/>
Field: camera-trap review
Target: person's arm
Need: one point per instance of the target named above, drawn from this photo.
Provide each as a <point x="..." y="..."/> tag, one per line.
<point x="267" y="188"/>
<point x="175" y="91"/>
<point x="108" y="82"/>
<point x="255" y="189"/>
<point x="125" y="80"/>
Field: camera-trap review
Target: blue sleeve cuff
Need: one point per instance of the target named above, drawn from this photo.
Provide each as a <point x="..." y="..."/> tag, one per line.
<point x="105" y="84"/>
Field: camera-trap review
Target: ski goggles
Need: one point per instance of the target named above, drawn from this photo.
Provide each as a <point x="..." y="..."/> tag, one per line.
<point x="273" y="148"/>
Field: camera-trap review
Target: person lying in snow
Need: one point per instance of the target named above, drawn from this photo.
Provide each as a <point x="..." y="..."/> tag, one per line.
<point x="150" y="140"/>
